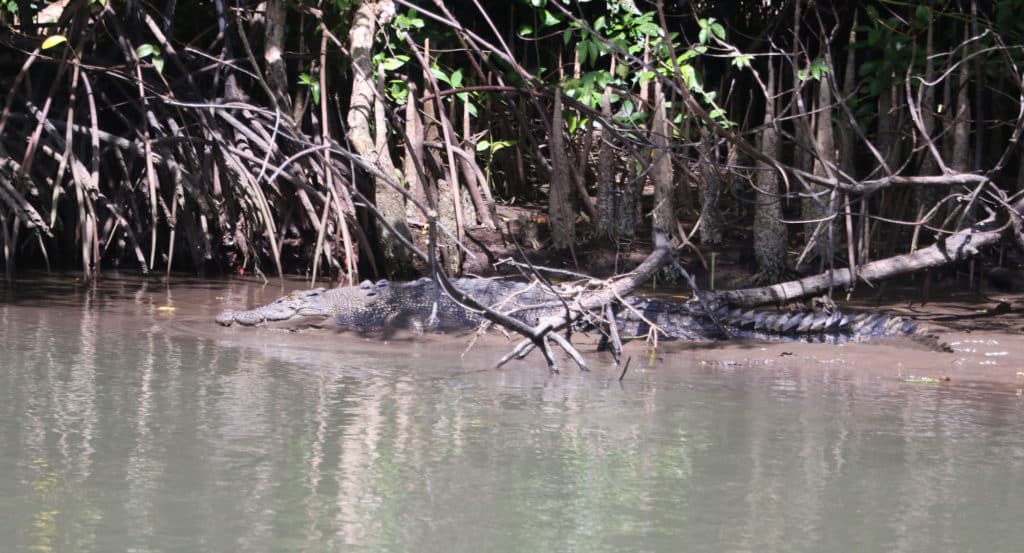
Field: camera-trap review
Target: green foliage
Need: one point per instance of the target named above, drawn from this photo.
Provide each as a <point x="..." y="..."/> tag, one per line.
<point x="624" y="33"/>
<point x="709" y="27"/>
<point x="152" y="52"/>
<point x="889" y="40"/>
<point x="814" y="71"/>
<point x="405" y="23"/>
<point x="53" y="40"/>
<point x="305" y="79"/>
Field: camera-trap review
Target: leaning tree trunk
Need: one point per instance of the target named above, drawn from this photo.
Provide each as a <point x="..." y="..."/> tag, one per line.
<point x="769" y="230"/>
<point x="390" y="202"/>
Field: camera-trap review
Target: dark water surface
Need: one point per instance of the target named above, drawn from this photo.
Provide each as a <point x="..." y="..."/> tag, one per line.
<point x="130" y="422"/>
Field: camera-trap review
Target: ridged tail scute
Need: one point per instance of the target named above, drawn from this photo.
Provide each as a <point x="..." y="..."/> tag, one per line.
<point x="823" y="326"/>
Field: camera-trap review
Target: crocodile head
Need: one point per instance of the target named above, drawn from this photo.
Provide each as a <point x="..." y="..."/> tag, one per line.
<point x="297" y="309"/>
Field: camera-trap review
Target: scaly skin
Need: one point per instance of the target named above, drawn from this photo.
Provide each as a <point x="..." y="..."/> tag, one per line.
<point x="421" y="306"/>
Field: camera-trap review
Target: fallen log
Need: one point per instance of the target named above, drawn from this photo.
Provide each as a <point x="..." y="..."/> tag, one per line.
<point x="956" y="247"/>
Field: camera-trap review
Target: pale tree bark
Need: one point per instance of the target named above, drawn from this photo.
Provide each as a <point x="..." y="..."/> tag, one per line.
<point x="845" y="151"/>
<point x="606" y="187"/>
<point x="361" y="116"/>
<point x="962" y="120"/>
<point x="824" y="146"/>
<point x="664" y="212"/>
<point x="413" y="163"/>
<point x="769" y="231"/>
<point x="560" y="209"/>
<point x="956" y="247"/>
<point x="440" y="191"/>
<point x="273" y="48"/>
<point x="926" y="196"/>
<point x="710" y="188"/>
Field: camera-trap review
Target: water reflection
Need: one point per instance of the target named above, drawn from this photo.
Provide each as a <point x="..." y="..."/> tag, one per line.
<point x="124" y="426"/>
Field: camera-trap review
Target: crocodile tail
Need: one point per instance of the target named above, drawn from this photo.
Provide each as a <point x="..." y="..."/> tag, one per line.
<point x="829" y="326"/>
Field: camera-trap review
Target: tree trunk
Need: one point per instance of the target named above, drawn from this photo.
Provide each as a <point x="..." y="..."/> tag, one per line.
<point x="824" y="163"/>
<point x="664" y="212"/>
<point x="607" y="191"/>
<point x="560" y="209"/>
<point x="273" y="48"/>
<point x="926" y="196"/>
<point x="769" y="231"/>
<point x="710" y="188"/>
<point x="390" y="202"/>
<point x="413" y="163"/>
<point x="962" y="123"/>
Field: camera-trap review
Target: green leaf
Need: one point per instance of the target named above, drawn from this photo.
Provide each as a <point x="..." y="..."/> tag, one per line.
<point x="146" y="50"/>
<point x="550" y="19"/>
<point x="649" y="29"/>
<point x="526" y="30"/>
<point x="741" y="61"/>
<point x="53" y="40"/>
<point x="440" y="75"/>
<point x="158" y="64"/>
<point x="455" y="79"/>
<point x="719" y="30"/>
<point x="686" y="56"/>
<point x="390" y="64"/>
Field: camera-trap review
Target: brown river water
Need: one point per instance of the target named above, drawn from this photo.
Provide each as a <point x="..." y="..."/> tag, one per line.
<point x="130" y="421"/>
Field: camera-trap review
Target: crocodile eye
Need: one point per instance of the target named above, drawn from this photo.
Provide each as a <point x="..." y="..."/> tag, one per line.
<point x="366" y="284"/>
<point x="370" y="293"/>
<point x="383" y="284"/>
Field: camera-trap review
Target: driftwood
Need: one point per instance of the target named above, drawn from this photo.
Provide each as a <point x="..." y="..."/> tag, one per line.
<point x="548" y="328"/>
<point x="956" y="247"/>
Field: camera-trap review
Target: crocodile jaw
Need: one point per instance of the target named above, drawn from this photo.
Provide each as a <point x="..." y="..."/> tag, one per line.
<point x="292" y="311"/>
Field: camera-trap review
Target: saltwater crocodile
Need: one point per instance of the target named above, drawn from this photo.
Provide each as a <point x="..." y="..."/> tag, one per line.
<point x="421" y="306"/>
